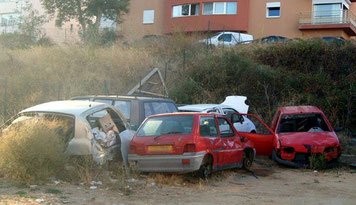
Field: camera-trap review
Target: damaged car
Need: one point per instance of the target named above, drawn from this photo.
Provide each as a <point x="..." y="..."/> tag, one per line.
<point x="296" y="134"/>
<point x="92" y="128"/>
<point x="189" y="142"/>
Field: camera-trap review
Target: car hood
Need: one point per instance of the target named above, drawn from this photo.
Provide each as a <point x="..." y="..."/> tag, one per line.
<point x="308" y="138"/>
<point x="237" y="102"/>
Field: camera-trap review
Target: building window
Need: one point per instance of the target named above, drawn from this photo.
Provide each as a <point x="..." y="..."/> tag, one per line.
<point x="186" y="10"/>
<point x="273" y="10"/>
<point x="220" y="8"/>
<point x="148" y="16"/>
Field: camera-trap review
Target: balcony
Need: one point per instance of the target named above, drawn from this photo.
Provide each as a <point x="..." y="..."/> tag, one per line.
<point x="335" y="19"/>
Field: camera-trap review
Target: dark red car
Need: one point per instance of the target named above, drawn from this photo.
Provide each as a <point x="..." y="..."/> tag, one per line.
<point x="296" y="133"/>
<point x="189" y="142"/>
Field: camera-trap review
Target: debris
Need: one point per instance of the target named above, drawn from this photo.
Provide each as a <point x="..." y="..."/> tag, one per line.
<point x="96" y="183"/>
<point x="153" y="184"/>
<point x="65" y="201"/>
<point x="132" y="180"/>
<point x="33" y="186"/>
<point x="56" y="182"/>
<point x="81" y="183"/>
<point x="39" y="200"/>
<point x="315" y="171"/>
<point x="93" y="187"/>
<point x="316" y="181"/>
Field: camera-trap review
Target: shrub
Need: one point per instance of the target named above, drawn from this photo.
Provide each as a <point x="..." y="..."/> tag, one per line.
<point x="32" y="151"/>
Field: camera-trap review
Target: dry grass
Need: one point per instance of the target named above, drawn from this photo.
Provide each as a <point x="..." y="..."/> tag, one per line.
<point x="32" y="151"/>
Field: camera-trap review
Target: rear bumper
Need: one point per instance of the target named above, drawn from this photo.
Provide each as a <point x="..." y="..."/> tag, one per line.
<point x="167" y="163"/>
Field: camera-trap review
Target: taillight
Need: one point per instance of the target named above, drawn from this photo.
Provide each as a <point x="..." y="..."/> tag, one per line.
<point x="132" y="149"/>
<point x="189" y="148"/>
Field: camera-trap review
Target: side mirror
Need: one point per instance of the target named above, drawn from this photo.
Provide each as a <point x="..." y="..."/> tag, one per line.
<point x="242" y="139"/>
<point x="337" y="129"/>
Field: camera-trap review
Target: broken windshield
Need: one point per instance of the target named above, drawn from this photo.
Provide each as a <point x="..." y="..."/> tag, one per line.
<point x="167" y="125"/>
<point x="303" y="123"/>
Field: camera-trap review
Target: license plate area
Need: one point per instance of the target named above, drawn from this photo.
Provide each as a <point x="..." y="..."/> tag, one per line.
<point x="159" y="148"/>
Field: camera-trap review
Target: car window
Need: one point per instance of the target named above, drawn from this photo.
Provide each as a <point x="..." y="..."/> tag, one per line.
<point x="167" y="125"/>
<point x="213" y="111"/>
<point x="101" y="119"/>
<point x="103" y="101"/>
<point x="225" y="128"/>
<point x="64" y="123"/>
<point x="208" y="127"/>
<point x="124" y="107"/>
<point x="153" y="108"/>
<point x="225" y="37"/>
<point x="302" y="123"/>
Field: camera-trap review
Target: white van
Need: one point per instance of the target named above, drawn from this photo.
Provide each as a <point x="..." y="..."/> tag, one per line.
<point x="228" y="39"/>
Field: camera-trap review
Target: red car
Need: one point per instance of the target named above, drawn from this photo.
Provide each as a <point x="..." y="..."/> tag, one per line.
<point x="296" y="133"/>
<point x="189" y="142"/>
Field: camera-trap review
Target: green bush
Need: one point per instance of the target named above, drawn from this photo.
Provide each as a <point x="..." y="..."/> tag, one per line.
<point x="32" y="151"/>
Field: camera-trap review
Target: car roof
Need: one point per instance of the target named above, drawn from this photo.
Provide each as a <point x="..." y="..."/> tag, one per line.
<point x="186" y="113"/>
<point x="201" y="107"/>
<point x="125" y="97"/>
<point x="299" y="109"/>
<point x="66" y="107"/>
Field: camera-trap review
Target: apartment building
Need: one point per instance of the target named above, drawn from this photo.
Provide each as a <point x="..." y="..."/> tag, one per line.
<point x="11" y="10"/>
<point x="288" y="18"/>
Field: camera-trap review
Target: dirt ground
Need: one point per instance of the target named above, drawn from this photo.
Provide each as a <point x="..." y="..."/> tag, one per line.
<point x="274" y="185"/>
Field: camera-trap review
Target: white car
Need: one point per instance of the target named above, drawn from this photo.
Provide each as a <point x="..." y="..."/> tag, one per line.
<point x="228" y="39"/>
<point x="243" y="125"/>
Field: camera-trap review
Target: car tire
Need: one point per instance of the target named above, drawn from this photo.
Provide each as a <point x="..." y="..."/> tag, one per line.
<point x="206" y="168"/>
<point x="247" y="159"/>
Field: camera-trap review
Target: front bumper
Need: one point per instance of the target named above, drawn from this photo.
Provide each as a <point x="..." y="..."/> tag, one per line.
<point x="168" y="163"/>
<point x="331" y="162"/>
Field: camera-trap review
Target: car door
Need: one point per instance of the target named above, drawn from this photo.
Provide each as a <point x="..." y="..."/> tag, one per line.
<point x="209" y="138"/>
<point x="232" y="151"/>
<point x="264" y="137"/>
<point x="225" y="39"/>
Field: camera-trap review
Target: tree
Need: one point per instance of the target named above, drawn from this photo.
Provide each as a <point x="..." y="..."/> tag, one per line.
<point x="86" y="12"/>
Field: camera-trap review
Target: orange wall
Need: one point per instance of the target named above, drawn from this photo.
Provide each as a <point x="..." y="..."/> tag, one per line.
<point x="238" y="22"/>
<point x="133" y="28"/>
<point x="286" y="25"/>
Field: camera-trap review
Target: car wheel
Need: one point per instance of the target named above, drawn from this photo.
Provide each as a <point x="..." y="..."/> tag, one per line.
<point x="247" y="159"/>
<point x="206" y="168"/>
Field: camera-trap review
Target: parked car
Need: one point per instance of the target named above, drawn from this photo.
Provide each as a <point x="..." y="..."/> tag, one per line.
<point x="189" y="142"/>
<point x="296" y="134"/>
<point x="227" y="39"/>
<point x="135" y="109"/>
<point x="241" y="125"/>
<point x="271" y="39"/>
<point x="85" y="134"/>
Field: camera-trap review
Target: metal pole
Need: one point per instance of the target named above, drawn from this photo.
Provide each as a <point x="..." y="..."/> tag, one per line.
<point x="208" y="40"/>
<point x="184" y="58"/>
<point x="165" y="71"/>
<point x="5" y="99"/>
<point x="106" y="90"/>
<point x="59" y="91"/>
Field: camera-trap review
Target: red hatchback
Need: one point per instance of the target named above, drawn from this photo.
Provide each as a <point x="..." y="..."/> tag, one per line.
<point x="296" y="133"/>
<point x="189" y="142"/>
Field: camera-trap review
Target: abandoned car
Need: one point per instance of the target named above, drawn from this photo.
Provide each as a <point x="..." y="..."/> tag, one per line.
<point x="135" y="109"/>
<point x="95" y="129"/>
<point x="189" y="142"/>
<point x="296" y="134"/>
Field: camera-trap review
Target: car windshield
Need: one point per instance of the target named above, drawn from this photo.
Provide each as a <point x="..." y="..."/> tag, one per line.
<point x="153" y="108"/>
<point x="302" y="123"/>
<point x="167" y="125"/>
